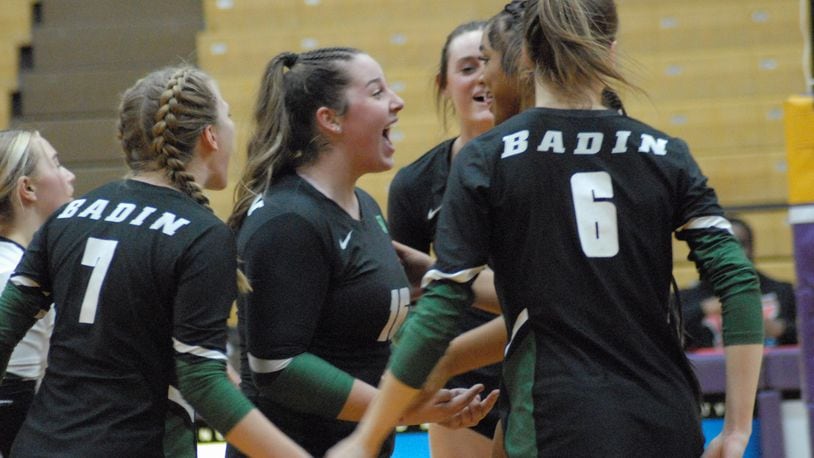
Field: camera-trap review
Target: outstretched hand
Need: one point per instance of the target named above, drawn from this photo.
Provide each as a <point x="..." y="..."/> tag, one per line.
<point x="457" y="408"/>
<point x="472" y="414"/>
<point x="442" y="405"/>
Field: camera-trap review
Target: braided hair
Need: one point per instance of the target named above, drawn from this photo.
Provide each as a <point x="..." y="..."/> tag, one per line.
<point x="160" y="120"/>
<point x="294" y="86"/>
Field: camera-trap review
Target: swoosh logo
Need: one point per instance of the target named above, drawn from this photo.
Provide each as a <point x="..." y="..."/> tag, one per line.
<point x="258" y="203"/>
<point x="433" y="211"/>
<point x="344" y="243"/>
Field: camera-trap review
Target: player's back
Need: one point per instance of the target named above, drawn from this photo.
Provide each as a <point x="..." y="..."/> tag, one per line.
<point x="582" y="208"/>
<point x="114" y="260"/>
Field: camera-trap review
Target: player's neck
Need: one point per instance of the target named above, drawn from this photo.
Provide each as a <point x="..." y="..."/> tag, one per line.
<point x="546" y="97"/>
<point x="333" y="184"/>
<point x="22" y="227"/>
<point x="154" y="177"/>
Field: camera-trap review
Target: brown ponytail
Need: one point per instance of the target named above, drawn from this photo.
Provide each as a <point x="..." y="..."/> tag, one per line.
<point x="285" y="136"/>
<point x="569" y="42"/>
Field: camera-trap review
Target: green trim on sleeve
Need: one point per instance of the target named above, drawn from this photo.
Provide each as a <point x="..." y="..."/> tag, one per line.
<point x="204" y="384"/>
<point x="741" y="324"/>
<point x="19" y="308"/>
<point x="426" y="335"/>
<point x="312" y="385"/>
<point x="721" y="261"/>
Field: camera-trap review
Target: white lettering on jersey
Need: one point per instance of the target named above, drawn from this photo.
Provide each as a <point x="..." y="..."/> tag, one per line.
<point x="650" y="144"/>
<point x="257" y="203"/>
<point x="552" y="141"/>
<point x="95" y="210"/>
<point x="515" y="143"/>
<point x="145" y="212"/>
<point x="589" y="142"/>
<point x="71" y="208"/>
<point x="168" y="224"/>
<point x="621" y="142"/>
<point x="120" y="213"/>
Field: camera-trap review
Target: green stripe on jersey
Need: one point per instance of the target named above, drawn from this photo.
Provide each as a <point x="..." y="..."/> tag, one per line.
<point x="424" y="338"/>
<point x="520" y="435"/>
<point x="204" y="384"/>
<point x="721" y="261"/>
<point x="312" y="385"/>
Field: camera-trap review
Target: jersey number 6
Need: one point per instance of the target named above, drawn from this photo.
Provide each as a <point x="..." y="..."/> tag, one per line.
<point x="596" y="214"/>
<point x="98" y="254"/>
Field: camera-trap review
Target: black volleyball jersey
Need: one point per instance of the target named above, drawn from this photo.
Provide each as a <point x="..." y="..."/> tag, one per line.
<point x="414" y="205"/>
<point x="323" y="283"/>
<point x="138" y="273"/>
<point x="415" y="195"/>
<point x="574" y="210"/>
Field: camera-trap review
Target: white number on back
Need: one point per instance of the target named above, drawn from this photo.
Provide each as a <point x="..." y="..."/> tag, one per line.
<point x="98" y="254"/>
<point x="596" y="214"/>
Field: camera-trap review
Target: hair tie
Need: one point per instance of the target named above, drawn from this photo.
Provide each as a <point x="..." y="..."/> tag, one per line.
<point x="290" y="59"/>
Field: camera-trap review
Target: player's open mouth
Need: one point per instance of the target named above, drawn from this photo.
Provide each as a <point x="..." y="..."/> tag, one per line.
<point x="485" y="97"/>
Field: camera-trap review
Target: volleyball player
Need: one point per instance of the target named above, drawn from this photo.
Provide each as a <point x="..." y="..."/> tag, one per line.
<point x="143" y="276"/>
<point x="574" y="206"/>
<point x="414" y="202"/>
<point x="32" y="185"/>
<point x="328" y="292"/>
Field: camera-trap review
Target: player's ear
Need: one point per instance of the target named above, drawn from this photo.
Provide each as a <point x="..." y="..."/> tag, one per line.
<point x="328" y="121"/>
<point x="26" y="190"/>
<point x="208" y="138"/>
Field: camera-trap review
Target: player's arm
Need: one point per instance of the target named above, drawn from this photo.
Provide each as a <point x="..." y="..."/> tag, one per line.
<point x="416" y="263"/>
<point x="204" y="384"/>
<point x="722" y="262"/>
<point x="423" y="341"/>
<point x="20" y="306"/>
<point x="478" y="347"/>
<point x="206" y="290"/>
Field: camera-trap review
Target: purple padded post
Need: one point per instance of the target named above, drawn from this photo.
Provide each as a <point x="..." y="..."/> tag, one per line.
<point x="772" y="444"/>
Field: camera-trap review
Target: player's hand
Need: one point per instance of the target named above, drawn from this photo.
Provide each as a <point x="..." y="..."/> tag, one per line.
<point x="727" y="445"/>
<point x="472" y="414"/>
<point x="349" y="447"/>
<point x="441" y="406"/>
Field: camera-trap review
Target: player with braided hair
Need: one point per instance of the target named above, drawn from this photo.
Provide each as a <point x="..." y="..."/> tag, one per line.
<point x="143" y="275"/>
<point x="329" y="291"/>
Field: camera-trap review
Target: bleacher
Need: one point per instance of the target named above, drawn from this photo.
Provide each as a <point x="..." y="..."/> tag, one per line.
<point x="714" y="73"/>
<point x="15" y="33"/>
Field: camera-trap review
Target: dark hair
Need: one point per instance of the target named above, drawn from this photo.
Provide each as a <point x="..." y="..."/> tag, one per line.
<point x="160" y="120"/>
<point x="569" y="42"/>
<point x="505" y="34"/>
<point x="294" y="86"/>
<point x="444" y="105"/>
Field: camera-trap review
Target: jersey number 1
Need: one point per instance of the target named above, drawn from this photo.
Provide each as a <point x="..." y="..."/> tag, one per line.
<point x="596" y="214"/>
<point x="98" y="254"/>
